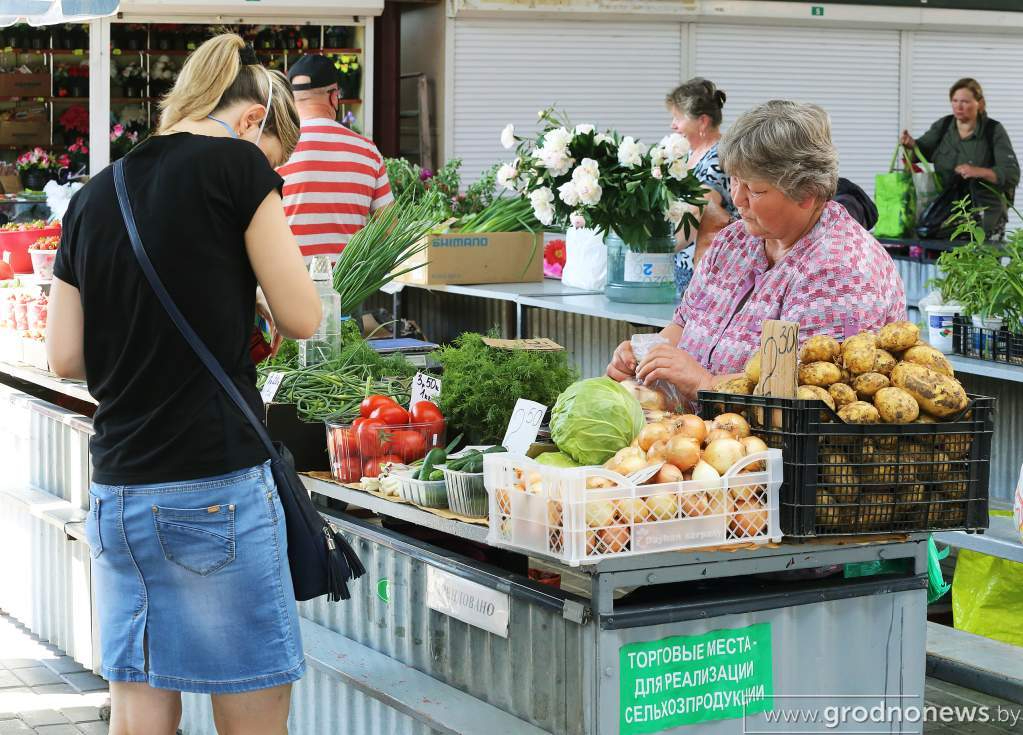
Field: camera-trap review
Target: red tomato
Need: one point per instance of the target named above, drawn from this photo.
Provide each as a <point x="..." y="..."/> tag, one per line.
<point x="367" y="436"/>
<point x="6" y="272"/>
<point x="392" y="415"/>
<point x="369" y="403"/>
<point x="348" y="470"/>
<point x="409" y="445"/>
<point x="344" y="444"/>
<point x="426" y="412"/>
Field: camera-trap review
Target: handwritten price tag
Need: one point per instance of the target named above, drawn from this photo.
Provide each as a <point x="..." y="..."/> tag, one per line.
<point x="424" y="388"/>
<point x="524" y="425"/>
<point x="273" y="382"/>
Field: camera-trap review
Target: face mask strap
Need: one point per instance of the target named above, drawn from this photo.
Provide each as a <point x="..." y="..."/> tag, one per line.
<point x="269" y="101"/>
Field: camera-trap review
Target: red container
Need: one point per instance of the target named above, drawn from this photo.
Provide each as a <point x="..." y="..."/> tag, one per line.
<point x="14" y="246"/>
<point x="356" y="452"/>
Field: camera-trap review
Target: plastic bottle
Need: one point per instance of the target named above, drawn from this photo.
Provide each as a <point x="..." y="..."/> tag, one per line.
<point x="325" y="344"/>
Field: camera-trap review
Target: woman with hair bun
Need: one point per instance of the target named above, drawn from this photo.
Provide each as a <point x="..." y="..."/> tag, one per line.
<point x="696" y="108"/>
<point x="185" y="528"/>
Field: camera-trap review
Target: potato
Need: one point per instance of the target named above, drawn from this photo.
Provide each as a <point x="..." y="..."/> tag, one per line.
<point x="896" y="406"/>
<point x="937" y="467"/>
<point x="886" y="468"/>
<point x="860" y="360"/>
<point x="876" y="511"/>
<point x="829" y="512"/>
<point x="842" y="394"/>
<point x="945" y="512"/>
<point x="737" y="386"/>
<point x="884" y="362"/>
<point x="898" y="336"/>
<point x="840" y="478"/>
<point x="937" y="394"/>
<point x="820" y="348"/>
<point x="821" y="374"/>
<point x="859" y="412"/>
<point x="861" y="340"/>
<point x="753" y="368"/>
<point x="909" y="502"/>
<point x="924" y="418"/>
<point x="868" y="384"/>
<point x="930" y="358"/>
<point x="815" y="393"/>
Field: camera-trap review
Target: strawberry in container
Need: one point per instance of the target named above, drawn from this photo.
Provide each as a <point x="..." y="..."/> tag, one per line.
<point x="37" y="310"/>
<point x="7" y="311"/>
<point x="43" y="253"/>
<point x="21" y="311"/>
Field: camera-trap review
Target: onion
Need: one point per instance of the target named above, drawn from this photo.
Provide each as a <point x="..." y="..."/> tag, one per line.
<point x="662" y="507"/>
<point x="598" y="483"/>
<point x="555" y="512"/>
<point x="652" y="433"/>
<point x="734" y="423"/>
<point x="503" y="501"/>
<point x="651" y="399"/>
<point x="631" y="510"/>
<point x="704" y="472"/>
<point x="754" y="445"/>
<point x="716" y="434"/>
<point x="709" y="426"/>
<point x="687" y="475"/>
<point x="750" y="520"/>
<point x="667" y="473"/>
<point x="631" y="464"/>
<point x="614" y="539"/>
<point x="693" y="426"/>
<point x="599" y="513"/>
<point x="723" y="453"/>
<point x="658" y="452"/>
<point x="695" y="504"/>
<point x="683" y="451"/>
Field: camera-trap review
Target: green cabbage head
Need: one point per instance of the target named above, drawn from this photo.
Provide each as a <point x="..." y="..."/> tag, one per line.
<point x="595" y="418"/>
<point x="556" y="459"/>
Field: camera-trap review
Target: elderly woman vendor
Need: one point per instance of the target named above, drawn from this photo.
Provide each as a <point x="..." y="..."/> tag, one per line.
<point x="793" y="255"/>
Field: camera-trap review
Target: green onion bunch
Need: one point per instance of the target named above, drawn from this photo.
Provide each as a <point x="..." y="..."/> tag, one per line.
<point x="505" y="214"/>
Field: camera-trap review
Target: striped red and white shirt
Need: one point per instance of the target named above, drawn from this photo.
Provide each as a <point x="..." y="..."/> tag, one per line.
<point x="332" y="182"/>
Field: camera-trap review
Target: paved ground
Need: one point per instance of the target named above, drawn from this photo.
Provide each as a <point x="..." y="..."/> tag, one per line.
<point x="44" y="692"/>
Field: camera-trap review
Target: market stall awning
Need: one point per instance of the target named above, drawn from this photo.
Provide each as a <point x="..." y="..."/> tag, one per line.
<point x="52" y="12"/>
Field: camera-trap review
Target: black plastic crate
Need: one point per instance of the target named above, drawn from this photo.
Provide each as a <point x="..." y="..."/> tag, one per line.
<point x="846" y="479"/>
<point x="995" y="345"/>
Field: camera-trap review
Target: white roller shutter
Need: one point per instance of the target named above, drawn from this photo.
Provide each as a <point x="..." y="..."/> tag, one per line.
<point x="853" y="74"/>
<point x="613" y="75"/>
<point x="939" y="59"/>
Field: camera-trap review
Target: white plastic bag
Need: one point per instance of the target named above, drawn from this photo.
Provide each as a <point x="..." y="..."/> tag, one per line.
<point x="59" y="197"/>
<point x="585" y="260"/>
<point x="667" y="398"/>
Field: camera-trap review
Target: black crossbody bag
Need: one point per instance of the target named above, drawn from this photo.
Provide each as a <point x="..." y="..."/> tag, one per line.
<point x="320" y="558"/>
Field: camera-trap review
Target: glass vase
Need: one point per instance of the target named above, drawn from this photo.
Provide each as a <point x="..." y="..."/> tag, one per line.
<point x="641" y="273"/>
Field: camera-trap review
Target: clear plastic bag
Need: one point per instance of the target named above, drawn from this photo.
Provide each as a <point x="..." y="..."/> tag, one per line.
<point x="658" y="395"/>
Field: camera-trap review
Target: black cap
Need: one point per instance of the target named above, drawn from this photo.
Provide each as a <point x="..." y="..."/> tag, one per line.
<point x="320" y="70"/>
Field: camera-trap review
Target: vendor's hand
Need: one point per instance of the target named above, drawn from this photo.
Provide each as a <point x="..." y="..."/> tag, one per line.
<point x="678" y="367"/>
<point x="969" y="172"/>
<point x="623" y="363"/>
<point x="907" y="139"/>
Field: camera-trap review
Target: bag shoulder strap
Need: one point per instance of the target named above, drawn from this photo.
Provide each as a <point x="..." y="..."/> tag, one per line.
<point x="193" y="339"/>
<point x="946" y="123"/>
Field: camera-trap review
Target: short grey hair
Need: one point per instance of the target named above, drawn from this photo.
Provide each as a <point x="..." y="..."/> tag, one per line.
<point x="788" y="145"/>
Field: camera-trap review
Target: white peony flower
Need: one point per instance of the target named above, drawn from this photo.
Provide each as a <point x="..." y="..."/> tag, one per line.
<point x="555" y="160"/>
<point x="587" y="167"/>
<point x="508" y="136"/>
<point x="631" y="152"/>
<point x="656" y="172"/>
<point x="603" y="138"/>
<point x="584" y="129"/>
<point x="676" y="146"/>
<point x="677" y="170"/>
<point x="557" y="139"/>
<point x="568" y="193"/>
<point x="675" y="211"/>
<point x="658" y="155"/>
<point x="577" y="220"/>
<point x="589" y="190"/>
<point x="507" y="174"/>
<point x="542" y="200"/>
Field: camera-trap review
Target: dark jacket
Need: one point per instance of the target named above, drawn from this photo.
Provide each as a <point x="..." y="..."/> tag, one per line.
<point x="857" y="203"/>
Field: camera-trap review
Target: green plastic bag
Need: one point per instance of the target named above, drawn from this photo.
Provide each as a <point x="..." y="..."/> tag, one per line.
<point x="936" y="587"/>
<point x="894" y="196"/>
<point x="987" y="596"/>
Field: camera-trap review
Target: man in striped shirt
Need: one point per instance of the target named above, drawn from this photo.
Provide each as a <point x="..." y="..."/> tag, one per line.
<point x="335" y="179"/>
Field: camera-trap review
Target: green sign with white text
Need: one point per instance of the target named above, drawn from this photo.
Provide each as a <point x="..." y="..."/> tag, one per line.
<point x="683" y="680"/>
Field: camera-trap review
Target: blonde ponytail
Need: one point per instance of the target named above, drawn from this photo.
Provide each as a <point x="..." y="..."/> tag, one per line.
<point x="214" y="77"/>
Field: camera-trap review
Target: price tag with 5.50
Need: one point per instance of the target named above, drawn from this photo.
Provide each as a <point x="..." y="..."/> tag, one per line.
<point x="424" y="388"/>
<point x="524" y="425"/>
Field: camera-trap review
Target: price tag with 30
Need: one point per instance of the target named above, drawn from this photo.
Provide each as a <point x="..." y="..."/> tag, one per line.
<point x="425" y="387"/>
<point x="524" y="425"/>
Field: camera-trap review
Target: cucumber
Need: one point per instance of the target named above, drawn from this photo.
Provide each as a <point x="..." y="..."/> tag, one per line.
<point x="436" y="475"/>
<point x="434" y="457"/>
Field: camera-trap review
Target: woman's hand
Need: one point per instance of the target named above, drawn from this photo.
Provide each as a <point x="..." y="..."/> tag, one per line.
<point x="976" y="172"/>
<point x="678" y="367"/>
<point x="263" y="310"/>
<point x="907" y="139"/>
<point x="623" y="363"/>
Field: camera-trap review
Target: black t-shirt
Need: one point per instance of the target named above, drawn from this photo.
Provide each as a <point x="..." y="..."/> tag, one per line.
<point x="161" y="416"/>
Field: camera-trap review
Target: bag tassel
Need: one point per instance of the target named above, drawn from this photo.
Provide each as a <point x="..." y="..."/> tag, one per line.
<point x="342" y="564"/>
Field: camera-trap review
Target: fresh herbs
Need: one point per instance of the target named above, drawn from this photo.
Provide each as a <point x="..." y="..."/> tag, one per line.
<point x="482" y="384"/>
<point x="985" y="278"/>
<point x="442" y="188"/>
<point x="378" y="252"/>
<point x="504" y="214"/>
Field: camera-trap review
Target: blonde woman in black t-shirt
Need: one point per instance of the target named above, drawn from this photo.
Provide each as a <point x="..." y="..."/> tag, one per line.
<point x="186" y="532"/>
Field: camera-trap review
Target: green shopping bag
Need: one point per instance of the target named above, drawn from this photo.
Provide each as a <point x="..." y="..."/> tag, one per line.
<point x="894" y="196"/>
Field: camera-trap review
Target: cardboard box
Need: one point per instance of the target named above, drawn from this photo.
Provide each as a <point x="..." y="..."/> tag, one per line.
<point x="14" y="84"/>
<point x="10" y="183"/>
<point x="481" y="257"/>
<point x="25" y="132"/>
<point x="306" y="440"/>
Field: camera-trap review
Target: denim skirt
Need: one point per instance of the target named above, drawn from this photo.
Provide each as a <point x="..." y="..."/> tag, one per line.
<point x="192" y="584"/>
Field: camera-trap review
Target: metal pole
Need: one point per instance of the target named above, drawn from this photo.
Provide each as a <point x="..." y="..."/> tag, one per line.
<point x="99" y="95"/>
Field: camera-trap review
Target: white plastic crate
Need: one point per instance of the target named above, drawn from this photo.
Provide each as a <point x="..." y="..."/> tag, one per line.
<point x="556" y="512"/>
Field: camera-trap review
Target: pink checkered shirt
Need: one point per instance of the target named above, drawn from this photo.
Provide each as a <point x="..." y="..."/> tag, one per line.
<point x="837" y="280"/>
